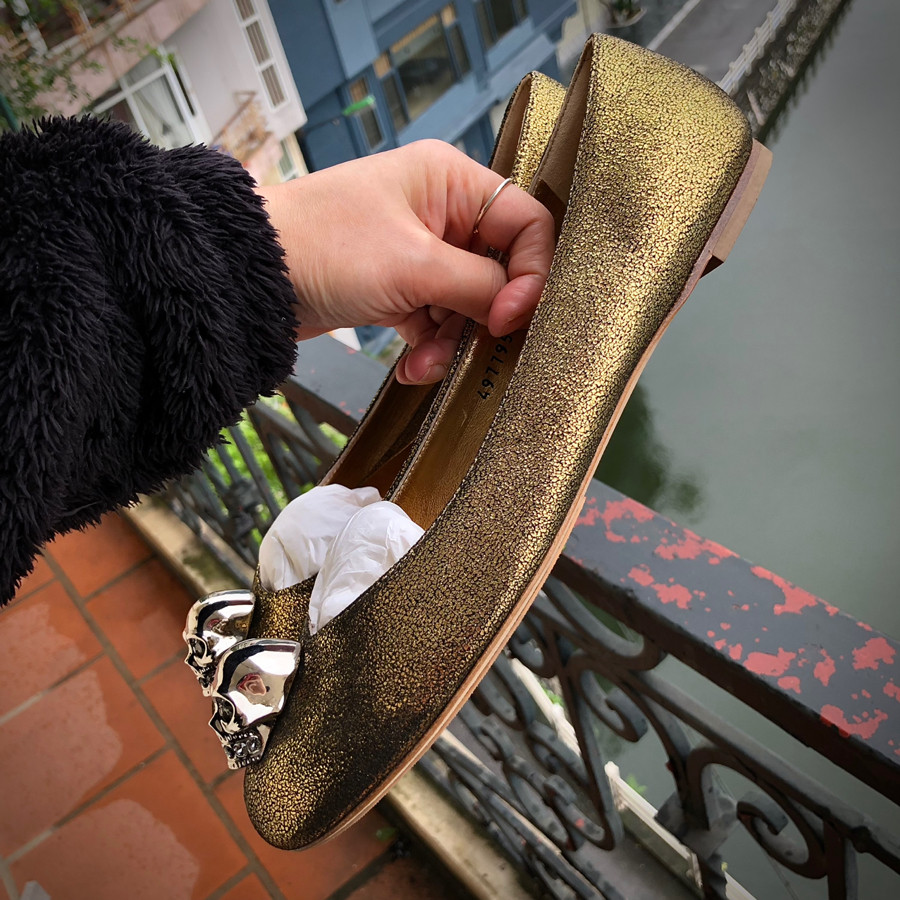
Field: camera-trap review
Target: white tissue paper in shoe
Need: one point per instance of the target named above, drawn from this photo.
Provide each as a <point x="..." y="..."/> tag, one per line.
<point x="294" y="548"/>
<point x="349" y="538"/>
<point x="371" y="542"/>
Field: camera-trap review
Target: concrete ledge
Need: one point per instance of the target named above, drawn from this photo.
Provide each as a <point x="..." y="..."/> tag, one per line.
<point x="472" y="858"/>
<point x="467" y="854"/>
<point x="184" y="553"/>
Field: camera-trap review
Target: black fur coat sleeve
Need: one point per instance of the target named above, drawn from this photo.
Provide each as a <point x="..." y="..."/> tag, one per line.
<point x="143" y="304"/>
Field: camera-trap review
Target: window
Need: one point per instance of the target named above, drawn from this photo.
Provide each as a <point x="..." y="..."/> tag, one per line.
<point x="391" y="92"/>
<point x="498" y="17"/>
<point x="262" y="55"/>
<point x="287" y="165"/>
<point x="459" y="49"/>
<point x="419" y="68"/>
<point x="368" y="121"/>
<point x="422" y="63"/>
<point x="152" y="100"/>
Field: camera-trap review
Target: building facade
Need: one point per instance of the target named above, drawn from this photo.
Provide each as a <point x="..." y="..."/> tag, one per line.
<point x="377" y="74"/>
<point x="179" y="71"/>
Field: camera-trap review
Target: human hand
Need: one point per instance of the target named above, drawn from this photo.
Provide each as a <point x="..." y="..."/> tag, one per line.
<point x="385" y="240"/>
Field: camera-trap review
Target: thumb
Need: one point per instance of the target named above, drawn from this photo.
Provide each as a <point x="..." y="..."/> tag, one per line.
<point x="514" y="224"/>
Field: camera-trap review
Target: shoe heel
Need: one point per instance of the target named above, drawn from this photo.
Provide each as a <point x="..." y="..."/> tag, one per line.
<point x="739" y="206"/>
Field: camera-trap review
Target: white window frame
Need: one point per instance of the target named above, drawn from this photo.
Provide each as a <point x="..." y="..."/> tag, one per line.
<point x="270" y="61"/>
<point x="195" y="124"/>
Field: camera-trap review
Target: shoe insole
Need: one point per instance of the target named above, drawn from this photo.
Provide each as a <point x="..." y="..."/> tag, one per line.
<point x="445" y="454"/>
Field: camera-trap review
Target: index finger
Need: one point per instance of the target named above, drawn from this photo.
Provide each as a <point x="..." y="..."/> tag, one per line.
<point x="516" y="225"/>
<point x="520" y="228"/>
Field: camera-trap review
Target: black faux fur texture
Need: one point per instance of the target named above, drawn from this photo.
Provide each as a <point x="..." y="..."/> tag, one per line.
<point x="143" y="304"/>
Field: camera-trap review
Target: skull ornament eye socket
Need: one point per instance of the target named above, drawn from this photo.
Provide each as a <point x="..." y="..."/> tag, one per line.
<point x="251" y="682"/>
<point x="198" y="652"/>
<point x="224" y="719"/>
<point x="214" y="624"/>
<point x="201" y="661"/>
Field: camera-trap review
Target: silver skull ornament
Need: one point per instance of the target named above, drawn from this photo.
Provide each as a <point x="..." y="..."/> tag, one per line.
<point x="251" y="682"/>
<point x="215" y="624"/>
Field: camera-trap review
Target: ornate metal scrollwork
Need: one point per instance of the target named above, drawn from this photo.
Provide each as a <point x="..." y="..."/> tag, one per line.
<point x="526" y="757"/>
<point x="560" y="788"/>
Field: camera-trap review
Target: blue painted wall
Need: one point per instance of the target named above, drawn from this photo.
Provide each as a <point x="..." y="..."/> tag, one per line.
<point x="328" y="138"/>
<point x="310" y="48"/>
<point x="548" y="16"/>
<point x="330" y="44"/>
<point x="352" y="31"/>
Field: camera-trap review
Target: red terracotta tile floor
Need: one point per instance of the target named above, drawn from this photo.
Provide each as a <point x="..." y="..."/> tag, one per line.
<point x="111" y="785"/>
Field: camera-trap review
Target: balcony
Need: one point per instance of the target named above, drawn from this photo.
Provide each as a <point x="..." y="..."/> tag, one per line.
<point x="246" y="136"/>
<point x="95" y="42"/>
<point x="60" y="25"/>
<point x="113" y="786"/>
<point x="527" y="792"/>
<point x="646" y="636"/>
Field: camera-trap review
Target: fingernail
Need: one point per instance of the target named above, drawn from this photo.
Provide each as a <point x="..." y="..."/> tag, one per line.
<point x="435" y="372"/>
<point x="516" y="323"/>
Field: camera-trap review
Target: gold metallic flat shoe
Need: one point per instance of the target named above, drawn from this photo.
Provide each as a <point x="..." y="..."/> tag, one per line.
<point x="527" y="125"/>
<point x="398" y="419"/>
<point x="651" y="173"/>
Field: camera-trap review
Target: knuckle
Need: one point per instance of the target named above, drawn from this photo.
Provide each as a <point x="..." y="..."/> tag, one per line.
<point x="430" y="148"/>
<point x="420" y="250"/>
<point x="416" y="265"/>
<point x="449" y="156"/>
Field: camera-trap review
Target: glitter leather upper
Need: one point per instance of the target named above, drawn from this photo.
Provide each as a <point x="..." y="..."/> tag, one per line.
<point x="660" y="152"/>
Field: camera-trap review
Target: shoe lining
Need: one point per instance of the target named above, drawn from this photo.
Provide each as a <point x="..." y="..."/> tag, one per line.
<point x="377" y="451"/>
<point x="553" y="180"/>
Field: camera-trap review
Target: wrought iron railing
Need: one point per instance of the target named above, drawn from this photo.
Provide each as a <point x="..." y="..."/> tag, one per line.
<point x="527" y="756"/>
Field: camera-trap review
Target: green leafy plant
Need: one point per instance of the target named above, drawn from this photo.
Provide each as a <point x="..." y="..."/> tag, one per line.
<point x="635" y="785"/>
<point x="552" y="696"/>
<point x="238" y="465"/>
<point x="34" y="66"/>
<point x="248" y="432"/>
